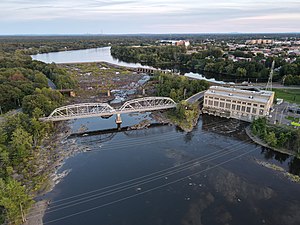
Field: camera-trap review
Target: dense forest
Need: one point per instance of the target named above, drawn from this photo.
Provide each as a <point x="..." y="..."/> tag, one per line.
<point x="23" y="159"/>
<point x="211" y="60"/>
<point x="179" y="88"/>
<point x="275" y="136"/>
<point x="20" y="76"/>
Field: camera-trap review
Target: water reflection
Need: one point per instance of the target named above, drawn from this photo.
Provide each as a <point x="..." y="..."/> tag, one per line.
<point x="294" y="166"/>
<point x="270" y="154"/>
<point x="234" y="128"/>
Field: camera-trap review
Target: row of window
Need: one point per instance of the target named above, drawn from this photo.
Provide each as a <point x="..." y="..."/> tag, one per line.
<point x="234" y="107"/>
<point x="235" y="101"/>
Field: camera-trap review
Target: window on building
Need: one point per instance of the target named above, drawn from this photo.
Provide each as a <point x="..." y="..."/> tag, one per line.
<point x="255" y="105"/>
<point x="261" y="106"/>
<point x="248" y="110"/>
<point x="238" y="107"/>
<point x="233" y="106"/>
<point x="239" y="102"/>
<point x="254" y="110"/>
<point x="228" y="100"/>
<point x="234" y="101"/>
<point x="244" y="103"/>
<point x="261" y="112"/>
<point x="217" y="98"/>
<point x="222" y="104"/>
<point x="210" y="97"/>
<point x="249" y="103"/>
<point x="243" y="108"/>
<point x="227" y="106"/>
<point x="222" y="99"/>
<point x="216" y="103"/>
<point x="205" y="102"/>
<point x="210" y="102"/>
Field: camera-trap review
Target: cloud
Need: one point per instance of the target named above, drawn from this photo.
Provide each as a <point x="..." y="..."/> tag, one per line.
<point x="157" y="15"/>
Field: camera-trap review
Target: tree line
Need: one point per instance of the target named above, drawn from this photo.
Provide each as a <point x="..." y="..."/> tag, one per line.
<point x="179" y="88"/>
<point x="277" y="136"/>
<point x="20" y="76"/>
<point x="211" y="60"/>
<point x="24" y="159"/>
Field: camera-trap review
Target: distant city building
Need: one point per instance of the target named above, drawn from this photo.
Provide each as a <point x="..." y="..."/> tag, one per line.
<point x="237" y="103"/>
<point x="175" y="42"/>
<point x="259" y="41"/>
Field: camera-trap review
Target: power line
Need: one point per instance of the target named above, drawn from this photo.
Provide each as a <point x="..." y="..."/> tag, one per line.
<point x="126" y="187"/>
<point x="147" y="191"/>
<point x="177" y="170"/>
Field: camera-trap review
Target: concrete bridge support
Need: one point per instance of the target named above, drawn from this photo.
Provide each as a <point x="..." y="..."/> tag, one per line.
<point x="118" y="118"/>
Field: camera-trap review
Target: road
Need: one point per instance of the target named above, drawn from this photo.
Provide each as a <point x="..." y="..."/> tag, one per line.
<point x="195" y="97"/>
<point x="263" y="85"/>
<point x="51" y="84"/>
<point x="281" y="112"/>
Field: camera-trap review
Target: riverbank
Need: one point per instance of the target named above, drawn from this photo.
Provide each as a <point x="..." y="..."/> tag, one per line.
<point x="291" y="177"/>
<point x="60" y="148"/>
<point x="259" y="141"/>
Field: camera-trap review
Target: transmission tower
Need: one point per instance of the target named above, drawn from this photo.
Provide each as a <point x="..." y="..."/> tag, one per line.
<point x="269" y="84"/>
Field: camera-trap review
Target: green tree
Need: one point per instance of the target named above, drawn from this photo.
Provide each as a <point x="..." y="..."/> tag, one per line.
<point x="271" y="139"/>
<point x="241" y="72"/>
<point x="21" y="145"/>
<point x="14" y="199"/>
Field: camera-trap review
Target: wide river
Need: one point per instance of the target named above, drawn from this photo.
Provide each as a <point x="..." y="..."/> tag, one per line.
<point x="213" y="175"/>
<point x="85" y="55"/>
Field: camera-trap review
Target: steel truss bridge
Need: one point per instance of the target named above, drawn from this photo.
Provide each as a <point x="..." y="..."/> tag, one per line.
<point x="86" y="110"/>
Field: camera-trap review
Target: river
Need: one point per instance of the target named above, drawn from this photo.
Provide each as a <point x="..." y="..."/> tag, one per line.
<point x="164" y="176"/>
<point x="85" y="55"/>
<point x="102" y="54"/>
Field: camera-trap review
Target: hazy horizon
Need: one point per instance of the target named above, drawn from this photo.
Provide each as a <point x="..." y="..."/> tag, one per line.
<point x="119" y="17"/>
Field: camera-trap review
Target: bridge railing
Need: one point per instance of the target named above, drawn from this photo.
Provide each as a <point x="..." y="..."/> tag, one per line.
<point x="85" y="110"/>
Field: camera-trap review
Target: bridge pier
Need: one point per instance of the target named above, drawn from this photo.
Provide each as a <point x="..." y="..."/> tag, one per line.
<point x="118" y="121"/>
<point x="118" y="118"/>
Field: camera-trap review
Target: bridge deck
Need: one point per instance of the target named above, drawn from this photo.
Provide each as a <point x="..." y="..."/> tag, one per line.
<point x="87" y="110"/>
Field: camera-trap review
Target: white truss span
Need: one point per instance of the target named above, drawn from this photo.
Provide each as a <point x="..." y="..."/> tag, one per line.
<point x="86" y="110"/>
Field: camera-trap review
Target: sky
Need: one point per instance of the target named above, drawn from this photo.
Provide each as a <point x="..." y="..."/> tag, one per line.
<point x="148" y="16"/>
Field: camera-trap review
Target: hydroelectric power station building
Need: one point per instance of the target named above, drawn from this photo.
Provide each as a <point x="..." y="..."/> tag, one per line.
<point x="237" y="103"/>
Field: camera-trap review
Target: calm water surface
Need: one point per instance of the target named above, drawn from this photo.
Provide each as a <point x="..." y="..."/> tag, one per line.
<point x="163" y="176"/>
<point x="85" y="55"/>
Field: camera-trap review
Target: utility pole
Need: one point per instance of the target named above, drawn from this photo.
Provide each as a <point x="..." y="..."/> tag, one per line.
<point x="280" y="121"/>
<point x="269" y="84"/>
<point x="275" y="116"/>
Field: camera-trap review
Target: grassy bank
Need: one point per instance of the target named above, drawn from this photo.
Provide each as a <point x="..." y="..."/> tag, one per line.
<point x="289" y="95"/>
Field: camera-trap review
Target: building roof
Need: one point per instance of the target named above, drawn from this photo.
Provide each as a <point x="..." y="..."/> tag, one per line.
<point x="239" y="94"/>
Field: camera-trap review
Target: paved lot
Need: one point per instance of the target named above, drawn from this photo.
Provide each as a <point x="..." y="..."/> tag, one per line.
<point x="281" y="112"/>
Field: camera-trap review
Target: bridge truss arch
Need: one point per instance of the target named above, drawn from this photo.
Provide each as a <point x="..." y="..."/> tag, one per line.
<point x="83" y="110"/>
<point x="86" y="110"/>
<point x="147" y="104"/>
